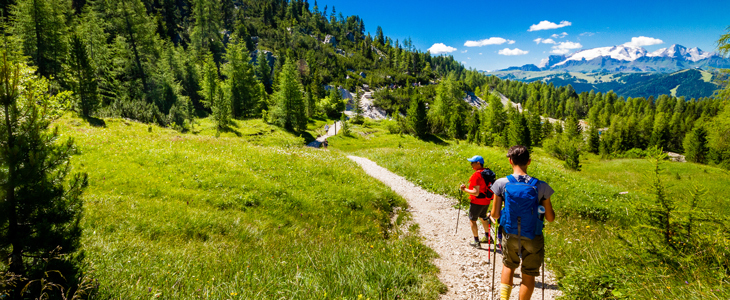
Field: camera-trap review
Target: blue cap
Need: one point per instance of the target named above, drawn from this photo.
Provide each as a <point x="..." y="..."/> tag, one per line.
<point x="477" y="158"/>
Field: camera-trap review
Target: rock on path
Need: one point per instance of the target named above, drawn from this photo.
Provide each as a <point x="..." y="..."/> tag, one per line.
<point x="465" y="270"/>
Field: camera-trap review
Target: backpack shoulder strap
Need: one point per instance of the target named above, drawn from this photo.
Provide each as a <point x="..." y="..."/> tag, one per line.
<point x="533" y="181"/>
<point x="511" y="179"/>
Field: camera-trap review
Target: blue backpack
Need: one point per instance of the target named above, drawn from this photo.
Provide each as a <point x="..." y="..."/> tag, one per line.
<point x="519" y="215"/>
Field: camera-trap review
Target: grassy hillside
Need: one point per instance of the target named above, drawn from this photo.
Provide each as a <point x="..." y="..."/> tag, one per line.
<point x="184" y="216"/>
<point x="583" y="245"/>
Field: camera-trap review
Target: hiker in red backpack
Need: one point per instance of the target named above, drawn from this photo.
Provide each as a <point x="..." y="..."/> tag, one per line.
<point x="479" y="198"/>
<point x="526" y="201"/>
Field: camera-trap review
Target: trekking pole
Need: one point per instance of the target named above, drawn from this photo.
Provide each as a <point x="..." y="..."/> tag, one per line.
<point x="458" y="213"/>
<point x="541" y="212"/>
<point x="489" y="237"/>
<point x="494" y="261"/>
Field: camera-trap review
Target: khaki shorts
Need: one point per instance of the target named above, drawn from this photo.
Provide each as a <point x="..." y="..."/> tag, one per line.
<point x="533" y="253"/>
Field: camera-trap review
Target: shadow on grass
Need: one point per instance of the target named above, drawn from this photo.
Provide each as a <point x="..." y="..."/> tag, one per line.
<point x="308" y="137"/>
<point x="233" y="128"/>
<point x="96" y="122"/>
<point x="434" y="139"/>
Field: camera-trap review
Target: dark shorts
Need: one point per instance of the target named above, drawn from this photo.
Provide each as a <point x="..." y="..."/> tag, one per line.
<point x="477" y="211"/>
<point x="533" y="253"/>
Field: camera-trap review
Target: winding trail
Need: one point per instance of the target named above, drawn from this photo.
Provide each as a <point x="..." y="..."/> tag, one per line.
<point x="466" y="271"/>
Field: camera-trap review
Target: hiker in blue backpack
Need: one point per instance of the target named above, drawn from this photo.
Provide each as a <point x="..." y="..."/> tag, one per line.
<point x="479" y="198"/>
<point x="525" y="199"/>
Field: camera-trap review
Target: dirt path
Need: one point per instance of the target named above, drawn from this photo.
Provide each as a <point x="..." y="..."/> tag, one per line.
<point x="465" y="270"/>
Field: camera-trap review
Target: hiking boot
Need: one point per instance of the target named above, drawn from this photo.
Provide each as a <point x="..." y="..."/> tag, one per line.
<point x="486" y="239"/>
<point x="475" y="244"/>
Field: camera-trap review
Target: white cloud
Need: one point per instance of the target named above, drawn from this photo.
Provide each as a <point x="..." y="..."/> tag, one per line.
<point x="468" y="58"/>
<point x="643" y="41"/>
<point x="545" y="25"/>
<point x="489" y="41"/>
<point x="544" y="41"/>
<point x="439" y="48"/>
<point x="480" y="54"/>
<point x="587" y="34"/>
<point x="515" y="51"/>
<point x="565" y="47"/>
<point x="559" y="36"/>
<point x="464" y="51"/>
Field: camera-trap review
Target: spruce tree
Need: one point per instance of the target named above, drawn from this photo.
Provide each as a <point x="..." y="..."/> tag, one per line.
<point x="535" y="126"/>
<point x="416" y="118"/>
<point x="695" y="145"/>
<point x="83" y="77"/>
<point x="41" y="26"/>
<point x="263" y="71"/>
<point x="519" y="133"/>
<point x="205" y="35"/>
<point x="241" y="82"/>
<point x="472" y="124"/>
<point x="213" y="95"/>
<point x="345" y="130"/>
<point x="594" y="140"/>
<point x="40" y="209"/>
<point x="290" y="111"/>
<point x="572" y="128"/>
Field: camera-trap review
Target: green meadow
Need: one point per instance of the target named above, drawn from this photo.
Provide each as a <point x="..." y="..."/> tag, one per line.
<point x="248" y="215"/>
<point x="596" y="208"/>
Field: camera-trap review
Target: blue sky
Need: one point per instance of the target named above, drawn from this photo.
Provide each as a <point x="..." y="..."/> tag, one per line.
<point x="588" y="24"/>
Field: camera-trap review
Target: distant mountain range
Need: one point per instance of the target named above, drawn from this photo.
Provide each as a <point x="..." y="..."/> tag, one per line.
<point x="630" y="59"/>
<point x="628" y="71"/>
<point x="688" y="83"/>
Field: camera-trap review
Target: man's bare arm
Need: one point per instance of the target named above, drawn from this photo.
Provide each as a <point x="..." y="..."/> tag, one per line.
<point x="549" y="212"/>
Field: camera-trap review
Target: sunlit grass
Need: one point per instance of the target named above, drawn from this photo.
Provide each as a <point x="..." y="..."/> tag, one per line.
<point x="583" y="247"/>
<point x="249" y="215"/>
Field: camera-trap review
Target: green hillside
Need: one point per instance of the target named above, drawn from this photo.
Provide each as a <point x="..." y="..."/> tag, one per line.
<point x="182" y="216"/>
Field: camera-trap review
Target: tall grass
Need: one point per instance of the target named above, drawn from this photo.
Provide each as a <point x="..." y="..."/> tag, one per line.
<point x="248" y="215"/>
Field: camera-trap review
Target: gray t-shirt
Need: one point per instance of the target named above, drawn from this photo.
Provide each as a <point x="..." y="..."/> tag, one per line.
<point x="544" y="191"/>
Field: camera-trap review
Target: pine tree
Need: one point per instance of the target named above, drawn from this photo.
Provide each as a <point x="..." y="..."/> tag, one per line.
<point x="695" y="145"/>
<point x="472" y="124"/>
<point x="345" y="130"/>
<point x="594" y="140"/>
<point x="572" y="128"/>
<point x="90" y="29"/>
<point x="39" y="211"/>
<point x="417" y="119"/>
<point x="290" y="111"/>
<point x="205" y="35"/>
<point x="41" y="26"/>
<point x="263" y="71"/>
<point x="241" y="82"/>
<point x="83" y="77"/>
<point x="535" y="126"/>
<point x="136" y="47"/>
<point x="519" y="133"/>
<point x="379" y="37"/>
<point x="213" y="95"/>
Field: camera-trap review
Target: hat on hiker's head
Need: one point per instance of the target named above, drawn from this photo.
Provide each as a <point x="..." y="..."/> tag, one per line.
<point x="477" y="158"/>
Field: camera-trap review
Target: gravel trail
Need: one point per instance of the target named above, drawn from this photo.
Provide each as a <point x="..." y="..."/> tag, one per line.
<point x="465" y="270"/>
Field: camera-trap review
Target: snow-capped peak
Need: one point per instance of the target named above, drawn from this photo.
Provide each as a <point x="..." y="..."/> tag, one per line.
<point x="678" y="51"/>
<point x="626" y="53"/>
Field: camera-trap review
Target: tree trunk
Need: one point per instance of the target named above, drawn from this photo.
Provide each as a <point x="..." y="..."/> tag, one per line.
<point x="16" y="257"/>
<point x="132" y="40"/>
